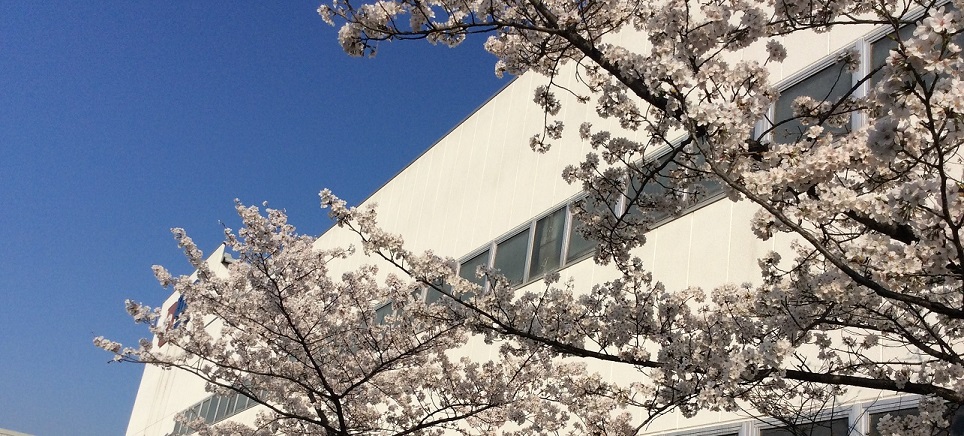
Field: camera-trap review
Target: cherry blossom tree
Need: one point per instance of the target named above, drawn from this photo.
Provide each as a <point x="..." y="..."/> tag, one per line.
<point x="875" y="206"/>
<point x="275" y="327"/>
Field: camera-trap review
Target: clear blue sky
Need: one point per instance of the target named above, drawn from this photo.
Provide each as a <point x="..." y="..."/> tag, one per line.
<point x="122" y="119"/>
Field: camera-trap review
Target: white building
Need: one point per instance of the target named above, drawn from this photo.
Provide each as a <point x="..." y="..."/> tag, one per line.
<point x="481" y="195"/>
<point x="4" y="432"/>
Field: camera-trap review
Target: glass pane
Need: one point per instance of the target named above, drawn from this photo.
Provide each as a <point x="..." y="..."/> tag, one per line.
<point x="876" y="417"/>
<point x="829" y="84"/>
<point x="212" y="410"/>
<point x="955" y="418"/>
<point x="954" y="414"/>
<point x="655" y="187"/>
<point x="432" y="295"/>
<point x="468" y="269"/>
<point x="836" y="427"/>
<point x="205" y="407"/>
<point x="709" y="187"/>
<point x="243" y="403"/>
<point x="646" y="199"/>
<point x="880" y="49"/>
<point x="547" y="245"/>
<point x="383" y="312"/>
<point x="232" y="405"/>
<point x="222" y="408"/>
<point x="579" y="246"/>
<point x="510" y="257"/>
<point x="193" y="413"/>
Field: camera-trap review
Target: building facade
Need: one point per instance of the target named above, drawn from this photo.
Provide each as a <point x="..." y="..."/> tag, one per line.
<point x="482" y="196"/>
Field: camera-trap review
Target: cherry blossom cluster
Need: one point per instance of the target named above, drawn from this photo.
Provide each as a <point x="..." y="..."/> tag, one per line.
<point x="275" y="326"/>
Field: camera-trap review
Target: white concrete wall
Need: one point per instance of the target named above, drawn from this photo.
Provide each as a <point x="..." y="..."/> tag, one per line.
<point x="163" y="393"/>
<point x="481" y="181"/>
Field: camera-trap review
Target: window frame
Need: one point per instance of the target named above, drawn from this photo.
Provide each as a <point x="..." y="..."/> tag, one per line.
<point x="808" y="72"/>
<point x="827" y="415"/>
<point x="560" y="254"/>
<point x="381" y="318"/>
<point x="662" y="152"/>
<point x="233" y="406"/>
<point x="518" y="231"/>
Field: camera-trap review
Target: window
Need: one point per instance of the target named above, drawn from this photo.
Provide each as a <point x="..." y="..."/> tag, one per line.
<point x="953" y="413"/>
<point x="547" y="243"/>
<point x="432" y="295"/>
<point x="243" y="403"/>
<point x="467" y="270"/>
<point x="543" y="247"/>
<point x="646" y="197"/>
<point x="226" y="404"/>
<point x="880" y="50"/>
<point x="706" y="187"/>
<point x="382" y="313"/>
<point x="205" y="408"/>
<point x="213" y="409"/>
<point x="555" y="240"/>
<point x="876" y="417"/>
<point x="672" y="186"/>
<point x="579" y="246"/>
<point x="829" y="84"/>
<point x="215" y="405"/>
<point x="834" y="427"/>
<point x="510" y="257"/>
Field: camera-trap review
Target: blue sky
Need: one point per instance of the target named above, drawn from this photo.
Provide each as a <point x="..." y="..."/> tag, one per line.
<point x="122" y="119"/>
